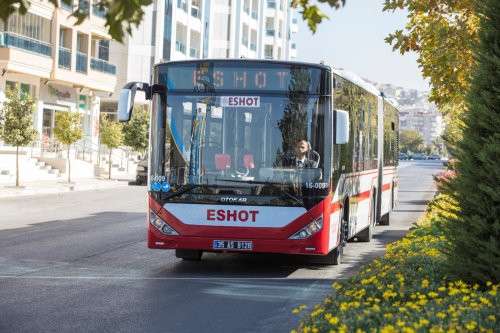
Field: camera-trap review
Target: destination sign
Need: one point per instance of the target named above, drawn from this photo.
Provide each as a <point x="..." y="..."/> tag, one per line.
<point x="216" y="76"/>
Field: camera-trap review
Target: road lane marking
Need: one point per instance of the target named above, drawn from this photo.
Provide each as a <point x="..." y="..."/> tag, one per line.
<point x="41" y="277"/>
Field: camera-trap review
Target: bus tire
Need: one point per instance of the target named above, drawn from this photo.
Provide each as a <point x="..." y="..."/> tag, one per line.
<point x="385" y="219"/>
<point x="335" y="256"/>
<point x="189" y="255"/>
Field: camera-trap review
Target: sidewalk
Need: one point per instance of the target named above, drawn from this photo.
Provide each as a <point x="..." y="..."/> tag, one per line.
<point x="58" y="186"/>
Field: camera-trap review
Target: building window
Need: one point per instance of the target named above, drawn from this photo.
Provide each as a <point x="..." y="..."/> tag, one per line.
<point x="253" y="40"/>
<point x="25" y="89"/>
<point x="269" y="26"/>
<point x="244" y="36"/>
<point x="246" y="6"/>
<point x="195" y="8"/>
<point x="271" y="4"/>
<point x="268" y="52"/>
<point x="255" y="9"/>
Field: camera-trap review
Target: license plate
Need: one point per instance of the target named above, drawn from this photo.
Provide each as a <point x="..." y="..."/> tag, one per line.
<point x="232" y="245"/>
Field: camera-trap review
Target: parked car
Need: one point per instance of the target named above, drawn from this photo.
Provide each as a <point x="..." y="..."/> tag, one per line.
<point x="403" y="156"/>
<point x="419" y="156"/>
<point x="141" y="177"/>
<point x="434" y="157"/>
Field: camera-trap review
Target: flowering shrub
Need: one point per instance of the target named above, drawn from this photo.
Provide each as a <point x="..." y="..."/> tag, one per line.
<point x="443" y="178"/>
<point x="407" y="290"/>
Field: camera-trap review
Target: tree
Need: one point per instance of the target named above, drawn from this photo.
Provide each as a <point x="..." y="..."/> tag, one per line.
<point x="17" y="124"/>
<point x="68" y="130"/>
<point x="443" y="33"/>
<point x="136" y="131"/>
<point x="111" y="136"/>
<point x="474" y="233"/>
<point x="410" y="141"/>
<point x="120" y="15"/>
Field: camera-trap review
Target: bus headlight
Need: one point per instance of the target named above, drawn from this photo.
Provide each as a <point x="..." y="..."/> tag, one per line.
<point x="161" y="225"/>
<point x="309" y="229"/>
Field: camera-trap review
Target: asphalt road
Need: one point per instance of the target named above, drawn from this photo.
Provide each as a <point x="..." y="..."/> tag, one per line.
<point x="78" y="262"/>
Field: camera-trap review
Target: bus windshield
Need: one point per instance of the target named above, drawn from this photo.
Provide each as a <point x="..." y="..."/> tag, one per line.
<point x="228" y="138"/>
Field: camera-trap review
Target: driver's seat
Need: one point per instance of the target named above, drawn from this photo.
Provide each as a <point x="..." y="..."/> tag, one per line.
<point x="314" y="155"/>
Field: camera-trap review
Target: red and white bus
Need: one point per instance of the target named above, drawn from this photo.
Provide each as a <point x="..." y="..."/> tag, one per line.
<point x="265" y="156"/>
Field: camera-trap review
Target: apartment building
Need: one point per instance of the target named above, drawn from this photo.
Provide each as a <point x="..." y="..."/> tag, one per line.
<point x="64" y="67"/>
<point x="427" y="121"/>
<point x="194" y="29"/>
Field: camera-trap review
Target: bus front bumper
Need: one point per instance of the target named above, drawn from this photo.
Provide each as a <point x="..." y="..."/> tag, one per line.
<point x="310" y="246"/>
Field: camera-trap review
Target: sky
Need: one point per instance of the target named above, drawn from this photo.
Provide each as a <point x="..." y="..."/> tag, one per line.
<point x="353" y="39"/>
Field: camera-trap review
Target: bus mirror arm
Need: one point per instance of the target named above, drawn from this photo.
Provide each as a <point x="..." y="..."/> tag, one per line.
<point x="127" y="96"/>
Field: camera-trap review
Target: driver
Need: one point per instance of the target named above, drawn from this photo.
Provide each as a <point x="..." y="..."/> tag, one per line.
<point x="303" y="156"/>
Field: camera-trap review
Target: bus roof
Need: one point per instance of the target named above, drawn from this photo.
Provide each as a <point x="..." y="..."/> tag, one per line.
<point x="357" y="80"/>
<point x="245" y="60"/>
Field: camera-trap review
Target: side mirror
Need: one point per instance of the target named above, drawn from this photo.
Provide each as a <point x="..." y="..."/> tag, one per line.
<point x="127" y="96"/>
<point x="342" y="128"/>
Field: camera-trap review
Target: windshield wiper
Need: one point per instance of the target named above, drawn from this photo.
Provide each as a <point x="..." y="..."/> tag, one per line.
<point x="181" y="191"/>
<point x="284" y="192"/>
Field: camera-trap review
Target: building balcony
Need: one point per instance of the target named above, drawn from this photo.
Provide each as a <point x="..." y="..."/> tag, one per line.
<point x="9" y="39"/>
<point x="81" y="62"/>
<point x="67" y="5"/>
<point x="101" y="65"/>
<point x="182" y="5"/>
<point x="181" y="47"/>
<point x="64" y="58"/>
<point x="83" y="5"/>
<point x="97" y="11"/>
<point x="270" y="32"/>
<point x="268" y="57"/>
<point x="195" y="12"/>
<point x="194" y="53"/>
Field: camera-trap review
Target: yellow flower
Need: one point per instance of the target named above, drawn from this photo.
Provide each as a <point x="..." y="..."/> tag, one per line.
<point x="471" y="325"/>
<point x="388" y="329"/>
<point x="407" y="330"/>
<point x="423" y="322"/>
<point x="441" y="315"/>
<point x="433" y="294"/>
<point x="336" y="285"/>
<point x="425" y="283"/>
<point x="333" y="320"/>
<point x="492" y="318"/>
<point x="400" y="323"/>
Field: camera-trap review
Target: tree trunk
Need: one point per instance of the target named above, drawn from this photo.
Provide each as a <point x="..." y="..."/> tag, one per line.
<point x="109" y="169"/>
<point x="17" y="166"/>
<point x="69" y="166"/>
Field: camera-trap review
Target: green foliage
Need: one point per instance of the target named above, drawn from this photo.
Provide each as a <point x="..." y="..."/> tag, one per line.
<point x="68" y="127"/>
<point x="474" y="251"/>
<point x="111" y="133"/>
<point x="17" y="123"/>
<point x="443" y="33"/>
<point x="411" y="140"/>
<point x="312" y="14"/>
<point x="121" y="15"/>
<point x="408" y="290"/>
<point x="136" y="131"/>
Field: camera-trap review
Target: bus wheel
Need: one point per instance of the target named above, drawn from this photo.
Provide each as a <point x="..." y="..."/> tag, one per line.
<point x="385" y="220"/>
<point x="189" y="255"/>
<point x="335" y="256"/>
